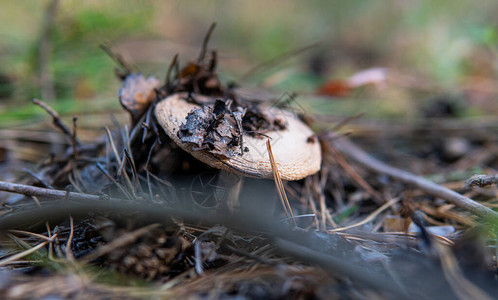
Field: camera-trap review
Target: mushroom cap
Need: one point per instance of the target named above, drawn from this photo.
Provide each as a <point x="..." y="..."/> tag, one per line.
<point x="296" y="153"/>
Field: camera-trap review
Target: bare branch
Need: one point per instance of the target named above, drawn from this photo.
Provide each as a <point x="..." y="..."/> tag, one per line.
<point x="205" y="43"/>
<point x="42" y="192"/>
<point x="350" y="150"/>
<point x="56" y="120"/>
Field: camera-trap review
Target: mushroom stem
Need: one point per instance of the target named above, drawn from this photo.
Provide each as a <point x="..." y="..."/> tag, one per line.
<point x="232" y="184"/>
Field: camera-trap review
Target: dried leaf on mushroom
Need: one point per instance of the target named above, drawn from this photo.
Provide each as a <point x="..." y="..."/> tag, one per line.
<point x="216" y="129"/>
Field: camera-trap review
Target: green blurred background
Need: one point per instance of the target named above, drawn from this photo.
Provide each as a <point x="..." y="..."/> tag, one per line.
<point x="446" y="47"/>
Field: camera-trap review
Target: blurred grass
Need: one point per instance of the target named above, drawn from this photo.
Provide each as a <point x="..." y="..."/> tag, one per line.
<point x="444" y="42"/>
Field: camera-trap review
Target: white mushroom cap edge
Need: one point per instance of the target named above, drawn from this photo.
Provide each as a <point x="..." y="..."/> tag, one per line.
<point x="296" y="155"/>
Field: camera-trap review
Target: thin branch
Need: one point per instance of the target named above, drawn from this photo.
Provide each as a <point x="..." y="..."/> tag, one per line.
<point x="56" y="119"/>
<point x="205" y="43"/>
<point x="170" y="68"/>
<point x="28" y="190"/>
<point x="35" y="176"/>
<point x="118" y="58"/>
<point x="74" y="138"/>
<point x="350" y="150"/>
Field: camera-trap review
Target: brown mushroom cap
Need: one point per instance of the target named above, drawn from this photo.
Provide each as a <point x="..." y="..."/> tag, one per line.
<point x="296" y="155"/>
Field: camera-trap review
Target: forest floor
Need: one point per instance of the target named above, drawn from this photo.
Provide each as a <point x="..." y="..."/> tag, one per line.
<point x="399" y="208"/>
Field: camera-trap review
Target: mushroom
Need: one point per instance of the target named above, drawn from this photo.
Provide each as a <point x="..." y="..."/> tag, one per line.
<point x="296" y="150"/>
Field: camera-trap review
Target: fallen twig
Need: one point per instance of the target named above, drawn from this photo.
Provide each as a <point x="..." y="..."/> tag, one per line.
<point x="205" y="43"/>
<point x="350" y="150"/>
<point x="56" y="119"/>
<point x="74" y="138"/>
<point x="117" y="58"/>
<point x="28" y="190"/>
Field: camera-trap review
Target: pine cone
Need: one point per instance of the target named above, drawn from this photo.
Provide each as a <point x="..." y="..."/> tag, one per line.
<point x="151" y="256"/>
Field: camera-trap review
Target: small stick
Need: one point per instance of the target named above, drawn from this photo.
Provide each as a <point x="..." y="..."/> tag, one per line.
<point x="170" y="68"/>
<point x="74" y="140"/>
<point x="117" y="58"/>
<point x="349" y="149"/>
<point x="28" y="190"/>
<point x="205" y="43"/>
<point x="38" y="178"/>
<point x="55" y="119"/>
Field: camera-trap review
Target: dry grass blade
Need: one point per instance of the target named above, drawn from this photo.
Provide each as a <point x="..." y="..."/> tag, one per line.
<point x="280" y="186"/>
<point x="370" y="217"/>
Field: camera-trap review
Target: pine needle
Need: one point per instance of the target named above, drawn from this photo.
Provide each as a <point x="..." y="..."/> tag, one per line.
<point x="22" y="254"/>
<point x="280" y="186"/>
<point x="370" y="217"/>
